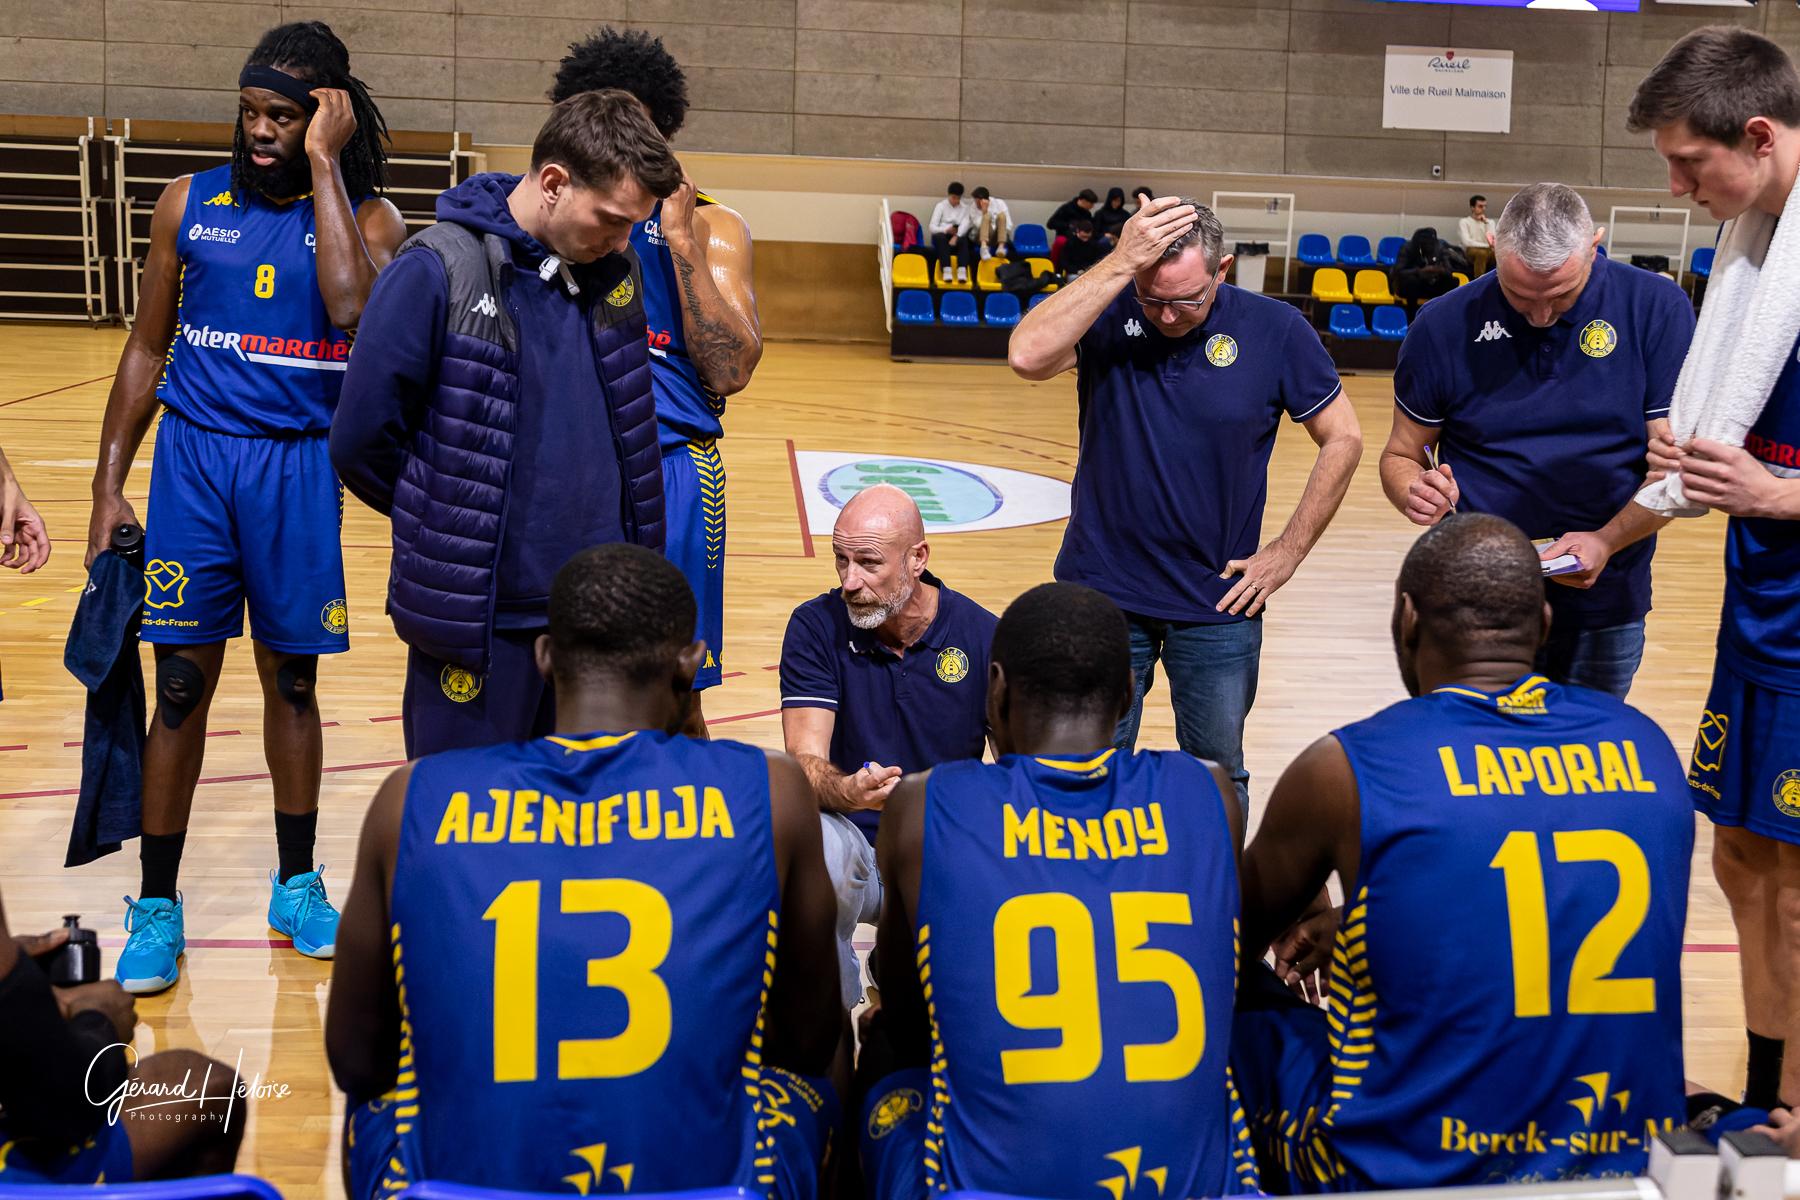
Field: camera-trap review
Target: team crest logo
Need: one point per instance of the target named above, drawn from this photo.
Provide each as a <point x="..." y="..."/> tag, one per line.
<point x="460" y="685"/>
<point x="1598" y="339"/>
<point x="620" y="296"/>
<point x="952" y="665"/>
<point x="335" y="617"/>
<point x="1221" y="350"/>
<point x="1787" y="793"/>
<point x="894" y="1108"/>
<point x="164" y="583"/>
<point x="1709" y="746"/>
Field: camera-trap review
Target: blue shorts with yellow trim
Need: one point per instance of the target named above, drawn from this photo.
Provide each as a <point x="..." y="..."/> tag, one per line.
<point x="893" y="1133"/>
<point x="378" y="1159"/>
<point x="103" y="1158"/>
<point x="244" y="519"/>
<point x="1746" y="765"/>
<point x="694" y="501"/>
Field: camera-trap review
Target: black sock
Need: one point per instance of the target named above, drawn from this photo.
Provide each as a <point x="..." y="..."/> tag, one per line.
<point x="159" y="858"/>
<point x="294" y="834"/>
<point x="1762" y="1083"/>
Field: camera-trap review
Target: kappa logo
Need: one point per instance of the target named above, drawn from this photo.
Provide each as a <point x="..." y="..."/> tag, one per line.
<point x="164" y="583"/>
<point x="485" y="306"/>
<point x="223" y="199"/>
<point x="1134" y="328"/>
<point x="1493" y="331"/>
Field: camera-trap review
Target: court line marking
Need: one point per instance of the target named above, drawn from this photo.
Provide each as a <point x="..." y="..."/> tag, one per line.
<point x="65" y="387"/>
<point x="806" y="537"/>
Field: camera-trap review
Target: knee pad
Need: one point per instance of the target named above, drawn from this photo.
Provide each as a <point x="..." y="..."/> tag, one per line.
<point x="180" y="684"/>
<point x="295" y="678"/>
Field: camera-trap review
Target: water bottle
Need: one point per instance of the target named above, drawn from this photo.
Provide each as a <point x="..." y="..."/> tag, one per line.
<point x="128" y="544"/>
<point x="77" y="960"/>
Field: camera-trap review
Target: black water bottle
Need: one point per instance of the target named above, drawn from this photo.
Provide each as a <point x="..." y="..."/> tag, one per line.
<point x="128" y="544"/>
<point x="77" y="960"/>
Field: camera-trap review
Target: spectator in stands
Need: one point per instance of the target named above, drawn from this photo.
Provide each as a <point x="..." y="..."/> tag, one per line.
<point x="951" y="246"/>
<point x="993" y="224"/>
<point x="1140" y="196"/>
<point x="1425" y="267"/>
<point x="1110" y="217"/>
<point x="1083" y="248"/>
<point x="1477" y="234"/>
<point x="1081" y="206"/>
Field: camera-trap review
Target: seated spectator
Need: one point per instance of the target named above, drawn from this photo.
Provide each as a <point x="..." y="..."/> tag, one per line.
<point x="1110" y="217"/>
<point x="1081" y="206"/>
<point x="993" y="224"/>
<point x="1476" y="233"/>
<point x="1140" y="196"/>
<point x="883" y="675"/>
<point x="1083" y="248"/>
<point x="64" y="1057"/>
<point x="1423" y="270"/>
<point x="951" y="245"/>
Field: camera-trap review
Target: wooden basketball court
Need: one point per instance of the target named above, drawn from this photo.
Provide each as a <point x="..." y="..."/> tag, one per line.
<point x="1327" y="659"/>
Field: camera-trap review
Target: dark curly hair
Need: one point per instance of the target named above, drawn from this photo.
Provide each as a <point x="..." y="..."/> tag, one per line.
<point x="309" y="51"/>
<point x="618" y="610"/>
<point x="632" y="61"/>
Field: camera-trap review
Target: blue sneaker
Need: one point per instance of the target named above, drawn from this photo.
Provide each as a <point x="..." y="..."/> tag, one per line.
<point x="299" y="909"/>
<point x="151" y="960"/>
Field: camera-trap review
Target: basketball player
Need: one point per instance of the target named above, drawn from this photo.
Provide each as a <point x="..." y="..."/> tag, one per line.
<point x="1505" y="992"/>
<point x="642" y="1013"/>
<point x="256" y="270"/>
<point x="1061" y="1020"/>
<point x="1723" y="107"/>
<point x="705" y="339"/>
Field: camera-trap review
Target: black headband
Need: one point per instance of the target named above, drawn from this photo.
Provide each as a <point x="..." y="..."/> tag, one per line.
<point x="282" y="84"/>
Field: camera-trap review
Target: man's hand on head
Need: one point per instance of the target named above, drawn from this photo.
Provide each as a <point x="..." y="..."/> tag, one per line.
<point x="1150" y="230"/>
<point x="332" y="125"/>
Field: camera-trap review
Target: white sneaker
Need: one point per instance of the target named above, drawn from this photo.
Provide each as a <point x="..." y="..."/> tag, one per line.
<point x="962" y="274"/>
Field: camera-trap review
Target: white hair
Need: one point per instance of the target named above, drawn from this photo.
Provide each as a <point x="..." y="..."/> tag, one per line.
<point x="1543" y="225"/>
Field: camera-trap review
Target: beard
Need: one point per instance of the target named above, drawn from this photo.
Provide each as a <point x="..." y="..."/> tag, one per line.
<point x="284" y="180"/>
<point x="873" y="616"/>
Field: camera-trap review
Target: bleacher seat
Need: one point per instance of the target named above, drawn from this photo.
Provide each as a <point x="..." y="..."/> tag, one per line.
<point x="1037" y="300"/>
<point x="987" y="274"/>
<point x="1372" y="288"/>
<point x="911" y="271"/>
<point x="1389" y="323"/>
<point x="1353" y="251"/>
<point x="913" y="307"/>
<point x="1331" y="286"/>
<point x="1459" y="277"/>
<point x="1347" y="322"/>
<point x="203" y="1187"/>
<point x="1702" y="262"/>
<point x="1031" y="240"/>
<point x="958" y="308"/>
<point x="1388" y="252"/>
<point x="1314" y="249"/>
<point x="1000" y="308"/>
<point x="432" y="1189"/>
<point x="906" y="230"/>
<point x="1042" y="266"/>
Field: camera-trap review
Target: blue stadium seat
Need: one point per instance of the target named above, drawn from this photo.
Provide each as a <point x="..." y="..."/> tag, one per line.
<point x="1702" y="262"/>
<point x="1001" y="308"/>
<point x="1388" y="252"/>
<point x="1390" y="323"/>
<point x="913" y="307"/>
<point x="958" y="309"/>
<point x="204" y="1187"/>
<point x="1037" y="300"/>
<point x="1347" y="322"/>
<point x="1353" y="251"/>
<point x="1031" y="241"/>
<point x="1315" y="250"/>
<point x="434" y="1190"/>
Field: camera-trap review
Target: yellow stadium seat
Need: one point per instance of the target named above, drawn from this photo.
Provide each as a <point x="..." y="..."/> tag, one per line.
<point x="1041" y="266"/>
<point x="911" y="271"/>
<point x="1331" y="286"/>
<point x="1371" y="288"/>
<point x="987" y="275"/>
<point x="1459" y="277"/>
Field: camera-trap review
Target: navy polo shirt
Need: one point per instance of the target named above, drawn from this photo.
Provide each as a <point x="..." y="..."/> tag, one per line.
<point x="1545" y="427"/>
<point x="1175" y="441"/>
<point x="913" y="711"/>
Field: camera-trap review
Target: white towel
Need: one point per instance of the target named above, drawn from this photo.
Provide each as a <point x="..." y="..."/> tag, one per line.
<point x="1747" y="329"/>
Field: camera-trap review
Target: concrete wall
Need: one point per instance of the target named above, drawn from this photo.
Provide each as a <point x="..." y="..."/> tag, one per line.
<point x="1262" y="87"/>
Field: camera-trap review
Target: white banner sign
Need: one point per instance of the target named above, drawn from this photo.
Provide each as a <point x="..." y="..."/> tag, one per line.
<point x="1429" y="87"/>
<point x="953" y="497"/>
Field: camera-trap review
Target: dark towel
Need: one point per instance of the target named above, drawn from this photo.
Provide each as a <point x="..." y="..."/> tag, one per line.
<point x="103" y="654"/>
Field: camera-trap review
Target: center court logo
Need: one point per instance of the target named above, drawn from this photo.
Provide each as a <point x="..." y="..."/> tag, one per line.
<point x="164" y="584"/>
<point x="953" y="496"/>
<point x="1221" y="350"/>
<point x="1598" y="339"/>
<point x="952" y="665"/>
<point x="335" y="617"/>
<point x="198" y="232"/>
<point x="459" y="684"/>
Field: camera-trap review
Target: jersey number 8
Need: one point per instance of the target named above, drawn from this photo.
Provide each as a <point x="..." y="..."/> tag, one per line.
<point x="265" y="281"/>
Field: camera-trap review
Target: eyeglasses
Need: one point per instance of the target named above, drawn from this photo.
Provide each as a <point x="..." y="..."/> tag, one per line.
<point x="1188" y="307"/>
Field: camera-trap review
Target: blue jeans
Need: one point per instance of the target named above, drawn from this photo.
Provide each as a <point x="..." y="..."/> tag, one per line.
<point x="1602" y="659"/>
<point x="1212" y="684"/>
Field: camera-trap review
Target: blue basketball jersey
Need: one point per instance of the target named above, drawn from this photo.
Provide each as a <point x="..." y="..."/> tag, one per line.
<point x="1077" y="938"/>
<point x="584" y="933"/>
<point x="686" y="409"/>
<point x="1759" y="632"/>
<point x="1506" y="990"/>
<point x="254" y="351"/>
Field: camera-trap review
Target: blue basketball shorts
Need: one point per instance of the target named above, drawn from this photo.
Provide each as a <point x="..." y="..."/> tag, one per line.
<point x="895" y="1135"/>
<point x="694" y="500"/>
<point x="103" y="1158"/>
<point x="373" y="1149"/>
<point x="244" y="519"/>
<point x="1746" y="765"/>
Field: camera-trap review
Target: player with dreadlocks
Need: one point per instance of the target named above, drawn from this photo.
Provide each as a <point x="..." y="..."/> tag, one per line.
<point x="705" y="339"/>
<point x="257" y="271"/>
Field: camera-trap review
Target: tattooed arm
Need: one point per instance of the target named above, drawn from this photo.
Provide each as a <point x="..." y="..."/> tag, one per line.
<point x="711" y="250"/>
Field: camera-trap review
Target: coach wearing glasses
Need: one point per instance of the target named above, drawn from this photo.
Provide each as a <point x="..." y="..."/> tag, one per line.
<point x="1182" y="380"/>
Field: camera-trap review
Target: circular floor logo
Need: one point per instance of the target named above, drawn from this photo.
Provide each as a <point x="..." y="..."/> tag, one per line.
<point x="953" y="497"/>
<point x="946" y="495"/>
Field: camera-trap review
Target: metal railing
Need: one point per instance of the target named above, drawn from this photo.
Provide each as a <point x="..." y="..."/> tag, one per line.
<point x="58" y="220"/>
